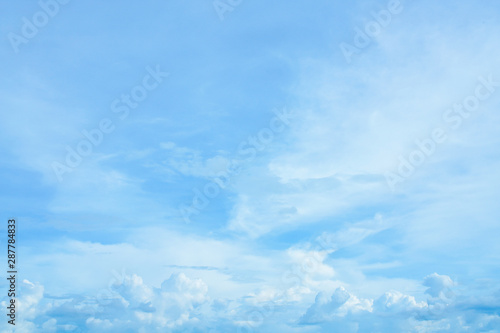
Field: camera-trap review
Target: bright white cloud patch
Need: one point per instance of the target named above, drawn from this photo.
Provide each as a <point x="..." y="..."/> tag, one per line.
<point x="182" y="304"/>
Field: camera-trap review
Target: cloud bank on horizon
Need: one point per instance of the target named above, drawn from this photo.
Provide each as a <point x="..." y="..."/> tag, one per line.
<point x="247" y="166"/>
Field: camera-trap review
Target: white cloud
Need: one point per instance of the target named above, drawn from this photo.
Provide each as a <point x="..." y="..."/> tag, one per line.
<point x="339" y="304"/>
<point x="396" y="302"/>
<point x="439" y="285"/>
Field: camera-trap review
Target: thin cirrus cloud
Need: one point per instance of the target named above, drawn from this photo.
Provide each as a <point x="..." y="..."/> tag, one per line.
<point x="309" y="235"/>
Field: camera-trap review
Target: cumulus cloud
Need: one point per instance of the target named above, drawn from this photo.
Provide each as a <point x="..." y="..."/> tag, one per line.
<point x="32" y="307"/>
<point x="343" y="311"/>
<point x="396" y="302"/>
<point x="174" y="304"/>
<point x="182" y="304"/>
<point x="130" y="305"/>
<point x="395" y="311"/>
<point x="338" y="305"/>
<point x="439" y="285"/>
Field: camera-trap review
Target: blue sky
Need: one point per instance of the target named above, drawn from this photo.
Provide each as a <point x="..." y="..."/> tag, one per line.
<point x="257" y="166"/>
